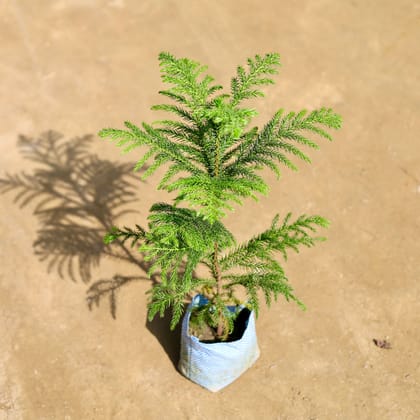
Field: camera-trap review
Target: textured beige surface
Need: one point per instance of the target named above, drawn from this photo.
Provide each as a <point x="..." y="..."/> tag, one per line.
<point x="77" y="66"/>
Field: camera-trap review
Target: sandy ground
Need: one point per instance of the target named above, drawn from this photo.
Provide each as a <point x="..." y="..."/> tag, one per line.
<point x="77" y="66"/>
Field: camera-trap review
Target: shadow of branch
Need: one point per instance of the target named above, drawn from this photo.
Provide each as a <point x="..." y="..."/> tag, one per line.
<point x="109" y="288"/>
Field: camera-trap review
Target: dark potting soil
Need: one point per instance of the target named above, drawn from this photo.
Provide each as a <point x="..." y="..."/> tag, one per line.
<point x="208" y="335"/>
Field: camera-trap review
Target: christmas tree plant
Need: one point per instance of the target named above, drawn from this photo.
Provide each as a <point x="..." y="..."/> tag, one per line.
<point x="211" y="160"/>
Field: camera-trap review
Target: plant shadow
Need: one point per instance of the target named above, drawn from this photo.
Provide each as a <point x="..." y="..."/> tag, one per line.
<point x="77" y="198"/>
<point x="169" y="340"/>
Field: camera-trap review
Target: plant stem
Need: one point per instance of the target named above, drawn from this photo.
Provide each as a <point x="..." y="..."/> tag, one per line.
<point x="218" y="275"/>
<point x="217" y="158"/>
<point x="216" y="268"/>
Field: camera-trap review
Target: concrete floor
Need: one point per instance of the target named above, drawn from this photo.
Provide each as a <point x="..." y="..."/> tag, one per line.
<point x="78" y="66"/>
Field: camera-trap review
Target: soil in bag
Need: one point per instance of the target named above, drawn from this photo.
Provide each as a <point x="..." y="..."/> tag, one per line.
<point x="208" y="335"/>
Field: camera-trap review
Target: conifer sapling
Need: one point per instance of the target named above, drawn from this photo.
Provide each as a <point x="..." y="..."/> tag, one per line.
<point x="212" y="160"/>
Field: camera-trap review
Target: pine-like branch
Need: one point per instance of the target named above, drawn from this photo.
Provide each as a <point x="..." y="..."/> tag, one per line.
<point x="176" y="233"/>
<point x="276" y="238"/>
<point x="182" y="74"/>
<point x="277" y="138"/>
<point x="135" y="235"/>
<point x="257" y="257"/>
<point x="243" y="85"/>
<point x="161" y="148"/>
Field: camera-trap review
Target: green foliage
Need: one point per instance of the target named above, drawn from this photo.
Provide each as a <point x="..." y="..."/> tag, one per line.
<point x="208" y="316"/>
<point x="256" y="257"/>
<point x="124" y="235"/>
<point x="180" y="234"/>
<point x="211" y="161"/>
<point x="243" y="86"/>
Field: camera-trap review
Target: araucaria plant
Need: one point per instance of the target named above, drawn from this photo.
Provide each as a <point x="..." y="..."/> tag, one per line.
<point x="212" y="160"/>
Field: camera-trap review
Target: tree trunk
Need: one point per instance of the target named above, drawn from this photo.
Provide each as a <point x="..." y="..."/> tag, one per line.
<point x="220" y="326"/>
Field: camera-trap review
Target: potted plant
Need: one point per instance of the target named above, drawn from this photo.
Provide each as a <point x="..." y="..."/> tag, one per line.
<point x="212" y="160"/>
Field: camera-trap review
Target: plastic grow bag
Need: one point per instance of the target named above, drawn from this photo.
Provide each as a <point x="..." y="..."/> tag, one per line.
<point x="216" y="365"/>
